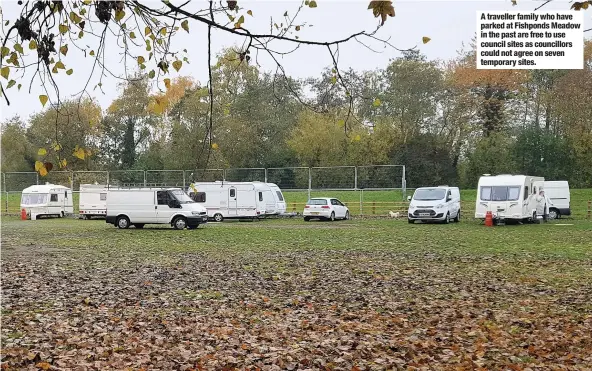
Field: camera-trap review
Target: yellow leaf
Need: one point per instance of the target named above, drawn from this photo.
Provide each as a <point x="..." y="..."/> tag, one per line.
<point x="18" y="48"/>
<point x="250" y="13"/>
<point x="11" y="83"/>
<point x="341" y="123"/>
<point x="376" y="102"/>
<point x="79" y="153"/>
<point x="92" y="52"/>
<point x="43" y="171"/>
<point x="32" y="44"/>
<point x="42" y="152"/>
<point x="425" y="39"/>
<point x="64" y="49"/>
<point x="87" y="2"/>
<point x="132" y="35"/>
<point x="147" y="31"/>
<point x="60" y="65"/>
<point x="177" y="65"/>
<point x="57" y="147"/>
<point x="185" y="25"/>
<point x="43" y="99"/>
<point x="5" y="51"/>
<point x="141" y="60"/>
<point x="312" y="4"/>
<point x="80" y="34"/>
<point x="357" y="138"/>
<point x="167" y="83"/>
<point x="75" y="17"/>
<point x="38" y="165"/>
<point x="63" y="28"/>
<point x="69" y="72"/>
<point x="119" y="14"/>
<point x="63" y="163"/>
<point x="163" y="31"/>
<point x="5" y="72"/>
<point x="382" y="9"/>
<point x="214" y="145"/>
<point x="151" y="74"/>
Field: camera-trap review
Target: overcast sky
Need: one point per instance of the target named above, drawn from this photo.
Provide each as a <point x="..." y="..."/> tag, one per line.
<point x="447" y="23"/>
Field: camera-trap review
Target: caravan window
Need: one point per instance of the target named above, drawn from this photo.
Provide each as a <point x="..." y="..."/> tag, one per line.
<point x="526" y="192"/>
<point x="103" y="197"/>
<point x="260" y="196"/>
<point x="65" y="194"/>
<point x="232" y="192"/>
<point x="198" y="197"/>
<point x="500" y="193"/>
<point x="279" y="194"/>
<point x="33" y="199"/>
<point x="54" y="197"/>
<point x="513" y="193"/>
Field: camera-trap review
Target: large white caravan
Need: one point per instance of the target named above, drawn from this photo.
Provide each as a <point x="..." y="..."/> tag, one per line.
<point x="47" y="199"/>
<point x="511" y="197"/>
<point x="92" y="200"/>
<point x="140" y="206"/>
<point x="232" y="199"/>
<point x="558" y="197"/>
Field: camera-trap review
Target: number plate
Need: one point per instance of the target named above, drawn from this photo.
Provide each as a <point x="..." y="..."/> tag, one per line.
<point x="315" y="213"/>
<point x="424" y="214"/>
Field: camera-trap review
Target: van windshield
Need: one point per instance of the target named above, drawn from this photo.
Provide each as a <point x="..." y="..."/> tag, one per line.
<point x="33" y="199"/>
<point x="499" y="193"/>
<point x="429" y="194"/>
<point x="182" y="197"/>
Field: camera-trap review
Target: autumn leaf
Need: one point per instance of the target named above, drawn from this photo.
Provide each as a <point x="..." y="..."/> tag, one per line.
<point x="151" y="74"/>
<point x="141" y="60"/>
<point x="19" y="48"/>
<point x="249" y="12"/>
<point x="119" y="14"/>
<point x="64" y="49"/>
<point x="63" y="163"/>
<point x="240" y="22"/>
<point x="60" y="65"/>
<point x="312" y="4"/>
<point x="5" y="72"/>
<point x="38" y="165"/>
<point x="57" y="147"/>
<point x="92" y="53"/>
<point x="43" y="171"/>
<point x="4" y="51"/>
<point x="10" y="84"/>
<point x="48" y="166"/>
<point x="357" y="138"/>
<point x="43" y="365"/>
<point x="79" y="153"/>
<point x="214" y="145"/>
<point x="341" y="123"/>
<point x="43" y="99"/>
<point x="69" y="72"/>
<point x="63" y="28"/>
<point x="32" y="44"/>
<point x="297" y="28"/>
<point x="167" y="83"/>
<point x="132" y="35"/>
<point x="514" y="3"/>
<point x="185" y="25"/>
<point x="177" y="65"/>
<point x="425" y="39"/>
<point x="163" y="31"/>
<point x="376" y="102"/>
<point x="42" y="152"/>
<point x="382" y="9"/>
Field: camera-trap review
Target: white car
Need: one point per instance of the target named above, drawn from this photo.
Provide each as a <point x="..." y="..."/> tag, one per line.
<point x="325" y="208"/>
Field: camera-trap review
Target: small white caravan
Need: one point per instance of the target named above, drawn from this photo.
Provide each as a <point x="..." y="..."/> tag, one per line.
<point x="140" y="206"/>
<point x="92" y="201"/>
<point x="48" y="200"/>
<point x="558" y="198"/>
<point x="441" y="204"/>
<point x="511" y="197"/>
<point x="231" y="199"/>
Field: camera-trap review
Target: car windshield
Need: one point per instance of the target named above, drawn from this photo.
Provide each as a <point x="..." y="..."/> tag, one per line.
<point x="182" y="196"/>
<point x="33" y="199"/>
<point x="317" y="201"/>
<point x="500" y="193"/>
<point x="429" y="194"/>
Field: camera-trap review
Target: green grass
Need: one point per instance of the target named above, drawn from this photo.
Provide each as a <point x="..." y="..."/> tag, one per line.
<point x="289" y="291"/>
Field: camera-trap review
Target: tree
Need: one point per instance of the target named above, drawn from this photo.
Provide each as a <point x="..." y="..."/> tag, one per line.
<point x="17" y="153"/>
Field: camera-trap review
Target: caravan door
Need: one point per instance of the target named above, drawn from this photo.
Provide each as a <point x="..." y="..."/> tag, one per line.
<point x="232" y="196"/>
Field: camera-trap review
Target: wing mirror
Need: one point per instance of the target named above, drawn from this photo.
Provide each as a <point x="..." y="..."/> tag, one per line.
<point x="408" y="198"/>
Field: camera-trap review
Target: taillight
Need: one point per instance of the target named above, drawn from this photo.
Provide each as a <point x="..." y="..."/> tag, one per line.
<point x="306" y="207"/>
<point x="324" y="207"/>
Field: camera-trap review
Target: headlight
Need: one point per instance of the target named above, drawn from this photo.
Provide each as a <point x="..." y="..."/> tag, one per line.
<point x="411" y="205"/>
<point x="195" y="213"/>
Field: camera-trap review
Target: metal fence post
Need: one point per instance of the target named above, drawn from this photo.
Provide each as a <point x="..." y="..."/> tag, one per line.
<point x="404" y="184"/>
<point x="356" y="177"/>
<point x="36" y="178"/>
<point x="144" y="178"/>
<point x="309" y="182"/>
<point x="361" y="202"/>
<point x="265" y="175"/>
<point x="108" y="178"/>
<point x="183" y="179"/>
<point x="72" y="180"/>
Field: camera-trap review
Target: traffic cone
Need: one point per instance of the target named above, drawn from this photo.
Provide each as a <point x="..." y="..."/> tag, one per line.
<point x="23" y="214"/>
<point x="489" y="219"/>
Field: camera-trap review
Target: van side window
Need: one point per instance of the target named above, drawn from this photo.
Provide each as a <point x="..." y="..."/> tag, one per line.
<point x="198" y="197"/>
<point x="449" y="195"/>
<point x="525" y="192"/>
<point x="162" y="197"/>
<point x="260" y="196"/>
<point x="103" y="197"/>
<point x="54" y="197"/>
<point x="232" y="192"/>
<point x="65" y="194"/>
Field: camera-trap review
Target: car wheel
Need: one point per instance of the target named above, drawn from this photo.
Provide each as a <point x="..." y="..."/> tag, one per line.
<point x="218" y="217"/>
<point x="139" y="226"/>
<point x="179" y="222"/>
<point x="123" y="222"/>
<point x="553" y="214"/>
<point x="457" y="217"/>
<point x="410" y="221"/>
<point x="346" y="215"/>
<point x="306" y="218"/>
<point x="332" y="217"/>
<point x="447" y="219"/>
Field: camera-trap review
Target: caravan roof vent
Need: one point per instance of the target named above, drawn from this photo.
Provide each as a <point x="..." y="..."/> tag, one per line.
<point x="486" y="174"/>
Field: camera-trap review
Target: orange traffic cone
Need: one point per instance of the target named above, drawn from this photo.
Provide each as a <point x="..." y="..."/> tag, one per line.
<point x="23" y="214"/>
<point x="489" y="219"/>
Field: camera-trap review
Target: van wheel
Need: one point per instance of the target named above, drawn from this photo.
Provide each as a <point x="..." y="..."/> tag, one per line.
<point x="218" y="217"/>
<point x="123" y="222"/>
<point x="139" y="226"/>
<point x="457" y="217"/>
<point x="553" y="214"/>
<point x="410" y="221"/>
<point x="447" y="219"/>
<point x="179" y="223"/>
<point x="87" y="217"/>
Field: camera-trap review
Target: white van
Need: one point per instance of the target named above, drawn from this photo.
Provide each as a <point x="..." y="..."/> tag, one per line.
<point x="440" y="204"/>
<point x="558" y="198"/>
<point x="511" y="197"/>
<point x="140" y="206"/>
<point x="224" y="200"/>
<point x="47" y="199"/>
<point x="92" y="201"/>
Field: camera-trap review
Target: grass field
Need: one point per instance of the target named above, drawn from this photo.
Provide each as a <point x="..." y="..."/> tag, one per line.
<point x="285" y="294"/>
<point x="372" y="202"/>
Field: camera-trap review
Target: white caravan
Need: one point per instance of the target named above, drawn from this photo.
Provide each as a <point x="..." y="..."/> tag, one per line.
<point x="441" y="204"/>
<point x="231" y="199"/>
<point x="280" y="202"/>
<point x="47" y="199"/>
<point x="140" y="206"/>
<point x="510" y="197"/>
<point x="92" y="201"/>
<point x="558" y="198"/>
